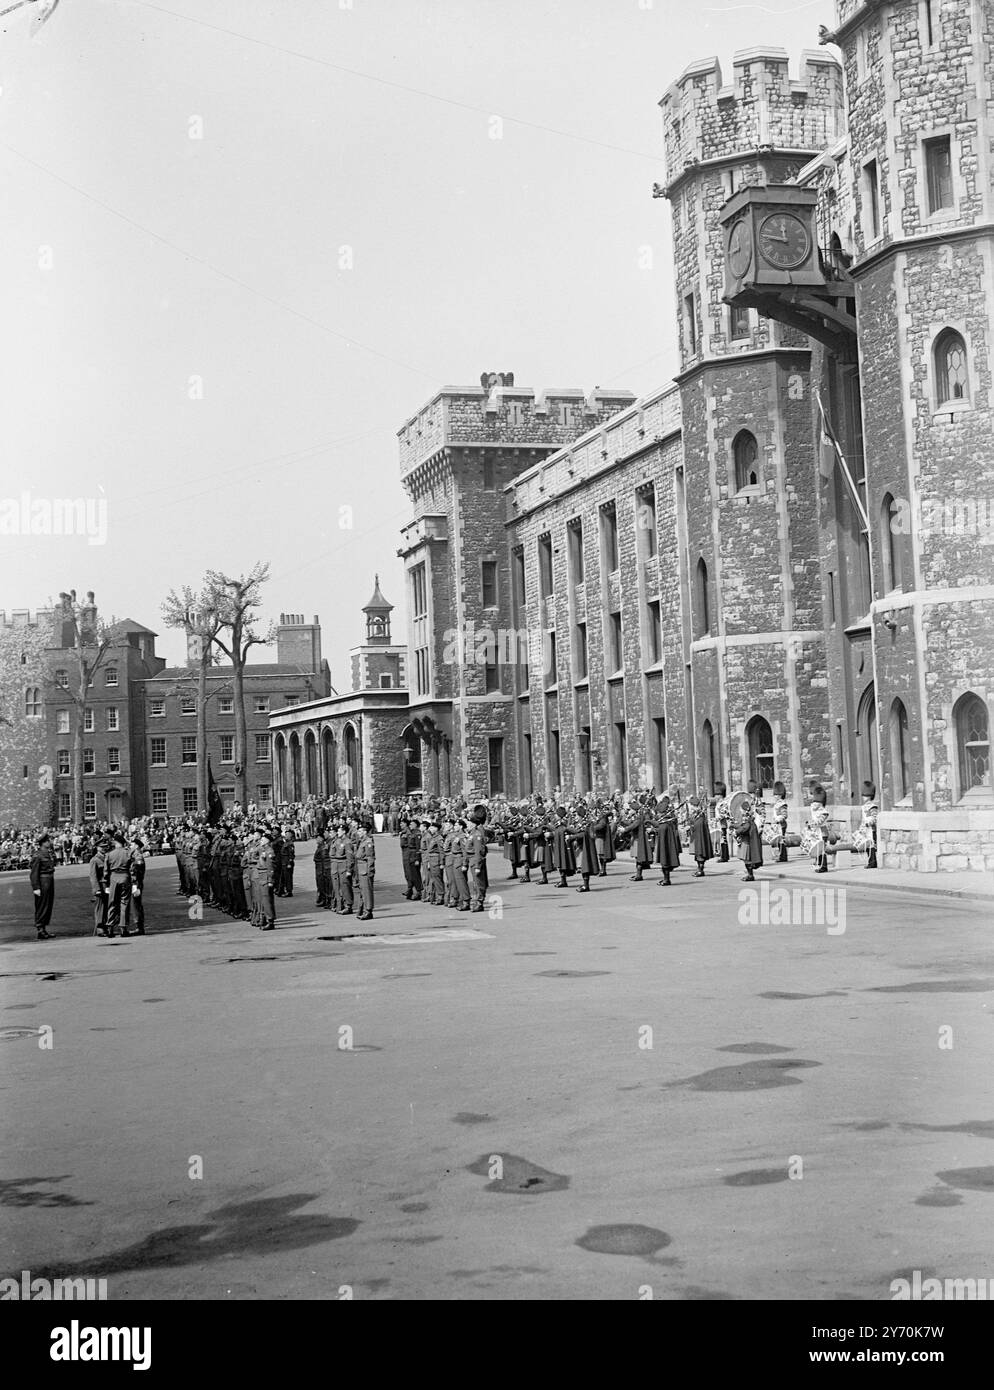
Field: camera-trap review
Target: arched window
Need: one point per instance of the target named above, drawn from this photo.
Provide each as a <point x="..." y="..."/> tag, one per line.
<point x="866" y="730"/>
<point x="893" y="520"/>
<point x="973" y="743"/>
<point x="745" y="455"/>
<point x="32" y="702"/>
<point x="952" y="382"/>
<point x="703" y="600"/>
<point x="710" y="765"/>
<point x="900" y="759"/>
<point x="759" y="737"/>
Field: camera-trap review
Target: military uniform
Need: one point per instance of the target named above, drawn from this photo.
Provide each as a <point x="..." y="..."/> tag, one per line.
<point x="267" y="901"/>
<point x="43" y="887"/>
<point x="410" y="858"/>
<point x="460" y="866"/>
<point x="477" y="866"/>
<point x="137" y="867"/>
<point x="322" y="872"/>
<point x="341" y="856"/>
<point x="434" y="860"/>
<point x="289" y="862"/>
<point x="365" y="870"/>
<point x="98" y="889"/>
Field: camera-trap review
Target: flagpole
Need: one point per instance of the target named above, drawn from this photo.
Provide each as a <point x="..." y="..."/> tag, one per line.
<point x="827" y="429"/>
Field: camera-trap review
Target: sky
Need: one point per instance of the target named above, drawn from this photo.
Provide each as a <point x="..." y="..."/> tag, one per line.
<point x="242" y="241"/>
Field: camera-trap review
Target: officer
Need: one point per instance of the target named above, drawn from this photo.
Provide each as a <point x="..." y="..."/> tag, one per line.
<point x="341" y="853"/>
<point x="118" y="875"/>
<point x="322" y="871"/>
<point x="477" y="861"/>
<point x="136" y="867"/>
<point x="277" y="844"/>
<point x="98" y="888"/>
<point x="43" y="886"/>
<point x="434" y="858"/>
<point x="365" y="869"/>
<point x="460" y="864"/>
<point x="289" y="860"/>
<point x="267" y="901"/>
<point x="410" y="856"/>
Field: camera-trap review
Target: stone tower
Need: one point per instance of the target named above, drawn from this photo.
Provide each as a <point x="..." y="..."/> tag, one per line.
<point x="913" y="196"/>
<point x="746" y="499"/>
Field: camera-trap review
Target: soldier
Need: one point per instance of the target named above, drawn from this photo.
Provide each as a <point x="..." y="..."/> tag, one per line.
<point x="750" y="839"/>
<point x="515" y="845"/>
<point x="202" y="850"/>
<point x="236" y="890"/>
<point x="667" y="839"/>
<point x="98" y="888"/>
<point x="277" y="847"/>
<point x="364" y="868"/>
<point x="341" y="856"/>
<point x="460" y="864"/>
<point x="583" y="838"/>
<point x="603" y="839"/>
<point x="250" y="866"/>
<point x="819" y="819"/>
<point x="562" y="848"/>
<point x="118" y="877"/>
<point x="410" y="858"/>
<point x="435" y="860"/>
<point x="136" y="866"/>
<point x="322" y="871"/>
<point x="639" y="827"/>
<point x="289" y="860"/>
<point x="700" y="835"/>
<point x="780" y="813"/>
<point x="267" y="902"/>
<point x="868" y="823"/>
<point x="723" y="815"/>
<point x="477" y="861"/>
<point x="43" y="886"/>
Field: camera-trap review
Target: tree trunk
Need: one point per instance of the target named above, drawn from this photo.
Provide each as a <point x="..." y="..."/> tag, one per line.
<point x="77" y="766"/>
<point x="203" y="791"/>
<point x="239" y="693"/>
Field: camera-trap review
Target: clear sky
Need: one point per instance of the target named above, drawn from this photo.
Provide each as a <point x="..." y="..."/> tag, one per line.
<point x="219" y="336"/>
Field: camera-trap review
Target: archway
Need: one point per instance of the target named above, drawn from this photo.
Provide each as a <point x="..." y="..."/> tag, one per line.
<point x="328" y="762"/>
<point x="350" y="772"/>
<point x="866" y="730"/>
<point x="412" y="761"/>
<point x="279" y="746"/>
<point x="294" y="768"/>
<point x="310" y="763"/>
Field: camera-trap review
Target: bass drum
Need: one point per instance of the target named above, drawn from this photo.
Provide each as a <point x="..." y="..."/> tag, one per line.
<point x="735" y="804"/>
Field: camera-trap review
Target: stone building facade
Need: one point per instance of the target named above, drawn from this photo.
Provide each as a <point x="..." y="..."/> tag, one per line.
<point x="780" y="566"/>
<point x="359" y="743"/>
<point x="27" y="776"/>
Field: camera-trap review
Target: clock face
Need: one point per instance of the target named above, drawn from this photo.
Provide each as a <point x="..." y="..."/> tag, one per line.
<point x="784" y="241"/>
<point x="740" y="248"/>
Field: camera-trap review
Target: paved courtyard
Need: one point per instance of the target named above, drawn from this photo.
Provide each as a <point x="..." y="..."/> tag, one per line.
<point x="635" y="1092"/>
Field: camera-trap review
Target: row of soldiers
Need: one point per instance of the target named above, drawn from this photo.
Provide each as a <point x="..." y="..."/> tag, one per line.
<point x="345" y="866"/>
<point x="238" y="870"/>
<point x="445" y="859"/>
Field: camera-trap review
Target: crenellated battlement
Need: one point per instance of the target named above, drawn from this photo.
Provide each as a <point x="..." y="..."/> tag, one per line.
<point x="21" y="617"/>
<point x="706" y="119"/>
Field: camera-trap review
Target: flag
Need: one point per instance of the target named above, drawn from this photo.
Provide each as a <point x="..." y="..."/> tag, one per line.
<point x="215" y="806"/>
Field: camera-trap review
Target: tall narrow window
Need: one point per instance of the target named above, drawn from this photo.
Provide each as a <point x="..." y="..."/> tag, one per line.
<point x="489" y="472"/>
<point x="419" y="592"/>
<point x="621" y="754"/>
<point x="929" y="29"/>
<point x="659" y="772"/>
<point x="745" y="454"/>
<point x="973" y="743"/>
<point x="529" y="786"/>
<point x="690" y="325"/>
<point x="552" y="674"/>
<point x="645" y="519"/>
<point x="616" y="651"/>
<point x="609" y="537"/>
<point x="495" y="758"/>
<point x="574" y="533"/>
<point x="580" y="649"/>
<point x="759" y="736"/>
<point x="871" y="192"/>
<point x="555" y="767"/>
<point x="939" y="173"/>
<point x="489" y="583"/>
<point x="710" y="765"/>
<point x="899" y="750"/>
<point x="655" y="626"/>
<point x="545" y="566"/>
<point x="891" y="543"/>
<point x="491" y="670"/>
<point x="32" y="702"/>
<point x="951" y="379"/>
<point x="703" y="600"/>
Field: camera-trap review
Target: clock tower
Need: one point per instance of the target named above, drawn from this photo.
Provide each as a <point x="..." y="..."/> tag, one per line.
<point x="754" y="653"/>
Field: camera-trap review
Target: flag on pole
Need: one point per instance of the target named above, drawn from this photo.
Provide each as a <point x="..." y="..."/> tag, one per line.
<point x="828" y="437"/>
<point x="215" y="806"/>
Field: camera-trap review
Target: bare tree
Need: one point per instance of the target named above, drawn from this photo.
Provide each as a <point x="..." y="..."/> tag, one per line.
<point x="89" y="640"/>
<point x="201" y="623"/>
<point x="236" y="602"/>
